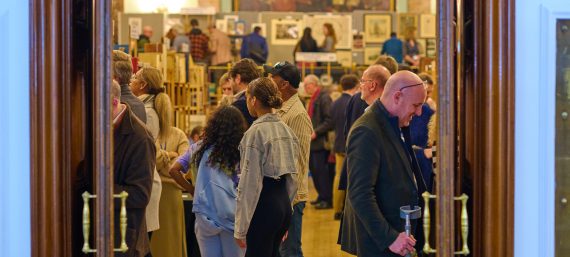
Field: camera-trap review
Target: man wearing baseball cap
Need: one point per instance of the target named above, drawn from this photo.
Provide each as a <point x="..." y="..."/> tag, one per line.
<point x="287" y="78"/>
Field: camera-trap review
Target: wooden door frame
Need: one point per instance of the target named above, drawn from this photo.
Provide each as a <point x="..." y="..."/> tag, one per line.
<point x="493" y="149"/>
<point x="51" y="82"/>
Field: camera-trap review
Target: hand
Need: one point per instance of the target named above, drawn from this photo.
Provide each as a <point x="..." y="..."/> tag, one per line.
<point x="403" y="244"/>
<point x="428" y="153"/>
<point x="241" y="243"/>
<point x="285" y="236"/>
<point x="313" y="136"/>
<point x="172" y="155"/>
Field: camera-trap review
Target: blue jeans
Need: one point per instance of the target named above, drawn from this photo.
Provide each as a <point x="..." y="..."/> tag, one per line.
<point x="292" y="245"/>
<point x="215" y="241"/>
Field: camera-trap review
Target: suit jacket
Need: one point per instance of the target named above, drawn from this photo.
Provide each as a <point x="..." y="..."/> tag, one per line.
<point x="135" y="104"/>
<point x="321" y="120"/>
<point x="380" y="181"/>
<point x="354" y="109"/>
<point x="134" y="160"/>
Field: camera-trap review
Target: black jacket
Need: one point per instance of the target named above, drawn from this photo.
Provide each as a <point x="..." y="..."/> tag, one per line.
<point x="137" y="106"/>
<point x="134" y="161"/>
<point x="241" y="104"/>
<point x="380" y="181"/>
<point x="321" y="120"/>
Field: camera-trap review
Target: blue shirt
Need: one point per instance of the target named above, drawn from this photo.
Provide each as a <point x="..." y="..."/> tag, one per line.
<point x="394" y="47"/>
<point x="215" y="193"/>
<point x="254" y="46"/>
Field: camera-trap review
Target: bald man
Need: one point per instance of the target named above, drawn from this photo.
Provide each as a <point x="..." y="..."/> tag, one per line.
<point x="144" y="38"/>
<point x="381" y="172"/>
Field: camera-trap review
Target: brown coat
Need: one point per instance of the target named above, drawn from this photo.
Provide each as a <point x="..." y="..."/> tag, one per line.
<point x="134" y="161"/>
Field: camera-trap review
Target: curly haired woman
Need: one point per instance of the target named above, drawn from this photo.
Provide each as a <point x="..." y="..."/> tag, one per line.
<point x="216" y="160"/>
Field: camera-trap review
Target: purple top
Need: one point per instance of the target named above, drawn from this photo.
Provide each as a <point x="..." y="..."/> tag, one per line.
<point x="185" y="160"/>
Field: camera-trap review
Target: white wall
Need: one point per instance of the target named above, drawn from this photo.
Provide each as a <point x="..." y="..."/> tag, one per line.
<point x="534" y="126"/>
<point x="15" y="130"/>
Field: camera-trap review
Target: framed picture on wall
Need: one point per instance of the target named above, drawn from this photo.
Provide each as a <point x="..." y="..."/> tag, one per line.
<point x="371" y="54"/>
<point x="342" y="25"/>
<point x="377" y="27"/>
<point x="231" y="24"/>
<point x="286" y="31"/>
<point x="422" y="46"/>
<point x="221" y="25"/>
<point x="407" y="23"/>
<point x="240" y="27"/>
<point x="262" y="26"/>
<point x="427" y="26"/>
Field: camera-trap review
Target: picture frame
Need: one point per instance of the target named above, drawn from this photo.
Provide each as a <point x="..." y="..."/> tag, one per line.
<point x="231" y="24"/>
<point x="240" y="27"/>
<point x="371" y="54"/>
<point x="427" y="26"/>
<point x="422" y="45"/>
<point x="262" y="26"/>
<point x="221" y="25"/>
<point x="377" y="27"/>
<point x="286" y="31"/>
<point x="342" y="25"/>
<point x="407" y="21"/>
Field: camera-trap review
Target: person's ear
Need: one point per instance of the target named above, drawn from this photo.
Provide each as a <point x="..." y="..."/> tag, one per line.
<point x="237" y="79"/>
<point x="397" y="97"/>
<point x="115" y="101"/>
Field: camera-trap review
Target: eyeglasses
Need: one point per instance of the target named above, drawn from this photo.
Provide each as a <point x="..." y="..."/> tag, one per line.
<point x="364" y="81"/>
<point x="414" y="85"/>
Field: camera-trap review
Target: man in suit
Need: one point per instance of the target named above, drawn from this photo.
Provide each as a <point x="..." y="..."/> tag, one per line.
<point x="134" y="160"/>
<point x="382" y="172"/>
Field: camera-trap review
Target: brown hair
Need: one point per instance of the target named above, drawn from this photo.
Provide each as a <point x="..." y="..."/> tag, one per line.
<point x="388" y="62"/>
<point x="348" y="81"/>
<point x="247" y="69"/>
<point x="331" y="32"/>
<point x="225" y="78"/>
<point x="265" y="90"/>
<point x="426" y="78"/>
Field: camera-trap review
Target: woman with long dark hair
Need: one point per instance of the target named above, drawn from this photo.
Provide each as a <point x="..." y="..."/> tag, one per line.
<point x="306" y="44"/>
<point x="214" y="161"/>
<point x="267" y="183"/>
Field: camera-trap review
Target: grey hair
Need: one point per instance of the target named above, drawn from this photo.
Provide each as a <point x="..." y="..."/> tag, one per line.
<point x="115" y="90"/>
<point x="312" y="79"/>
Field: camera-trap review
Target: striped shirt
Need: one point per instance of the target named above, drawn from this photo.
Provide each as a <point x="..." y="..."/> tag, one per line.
<point x="294" y="114"/>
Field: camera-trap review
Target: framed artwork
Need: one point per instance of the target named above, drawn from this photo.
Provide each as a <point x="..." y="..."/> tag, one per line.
<point x="371" y="54"/>
<point x="344" y="57"/>
<point x="222" y="25"/>
<point x="430" y="47"/>
<point x="378" y="5"/>
<point x="407" y="22"/>
<point x="231" y="24"/>
<point x="342" y="25"/>
<point x="262" y="26"/>
<point x="286" y="31"/>
<point x="419" y="6"/>
<point x="427" y="26"/>
<point x="358" y="42"/>
<point x="240" y="27"/>
<point x="377" y="27"/>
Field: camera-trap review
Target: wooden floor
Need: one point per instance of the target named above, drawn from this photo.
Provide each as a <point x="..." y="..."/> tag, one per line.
<point x="320" y="231"/>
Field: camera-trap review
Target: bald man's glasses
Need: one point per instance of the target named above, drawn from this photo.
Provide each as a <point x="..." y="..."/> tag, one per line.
<point x="414" y="85"/>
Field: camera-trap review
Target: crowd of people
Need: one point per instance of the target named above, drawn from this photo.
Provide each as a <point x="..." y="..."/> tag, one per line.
<point x="248" y="169"/>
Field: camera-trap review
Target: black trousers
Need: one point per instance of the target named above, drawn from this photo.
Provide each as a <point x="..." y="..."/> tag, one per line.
<point x="189" y="219"/>
<point x="270" y="220"/>
<point x="319" y="167"/>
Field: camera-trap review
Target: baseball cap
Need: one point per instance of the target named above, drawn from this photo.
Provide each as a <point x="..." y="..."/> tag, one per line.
<point x="286" y="71"/>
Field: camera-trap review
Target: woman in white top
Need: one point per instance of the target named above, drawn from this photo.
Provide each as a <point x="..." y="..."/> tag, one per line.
<point x="267" y="183"/>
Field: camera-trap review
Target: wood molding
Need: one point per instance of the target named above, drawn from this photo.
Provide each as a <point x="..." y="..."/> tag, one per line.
<point x="445" y="241"/>
<point x="493" y="161"/>
<point x="50" y="45"/>
<point x="102" y="126"/>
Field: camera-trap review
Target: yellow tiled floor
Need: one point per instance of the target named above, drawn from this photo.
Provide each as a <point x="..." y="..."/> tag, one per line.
<point x="320" y="231"/>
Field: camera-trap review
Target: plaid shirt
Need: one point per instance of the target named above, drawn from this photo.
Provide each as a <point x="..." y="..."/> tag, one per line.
<point x="198" y="45"/>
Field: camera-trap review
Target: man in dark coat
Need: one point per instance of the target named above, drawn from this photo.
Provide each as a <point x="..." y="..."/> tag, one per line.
<point x="134" y="157"/>
<point x="319" y="112"/>
<point x="382" y="172"/>
<point x="241" y="74"/>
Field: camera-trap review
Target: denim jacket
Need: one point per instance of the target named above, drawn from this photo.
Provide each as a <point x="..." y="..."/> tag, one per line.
<point x="269" y="148"/>
<point x="215" y="194"/>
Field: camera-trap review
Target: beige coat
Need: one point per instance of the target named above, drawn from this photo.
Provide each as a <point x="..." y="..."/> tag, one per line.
<point x="153" y="126"/>
<point x="220" y="46"/>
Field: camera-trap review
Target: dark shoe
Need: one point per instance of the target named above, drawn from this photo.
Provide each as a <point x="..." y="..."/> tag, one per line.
<point x="315" y="202"/>
<point x="337" y="215"/>
<point x="323" y="205"/>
